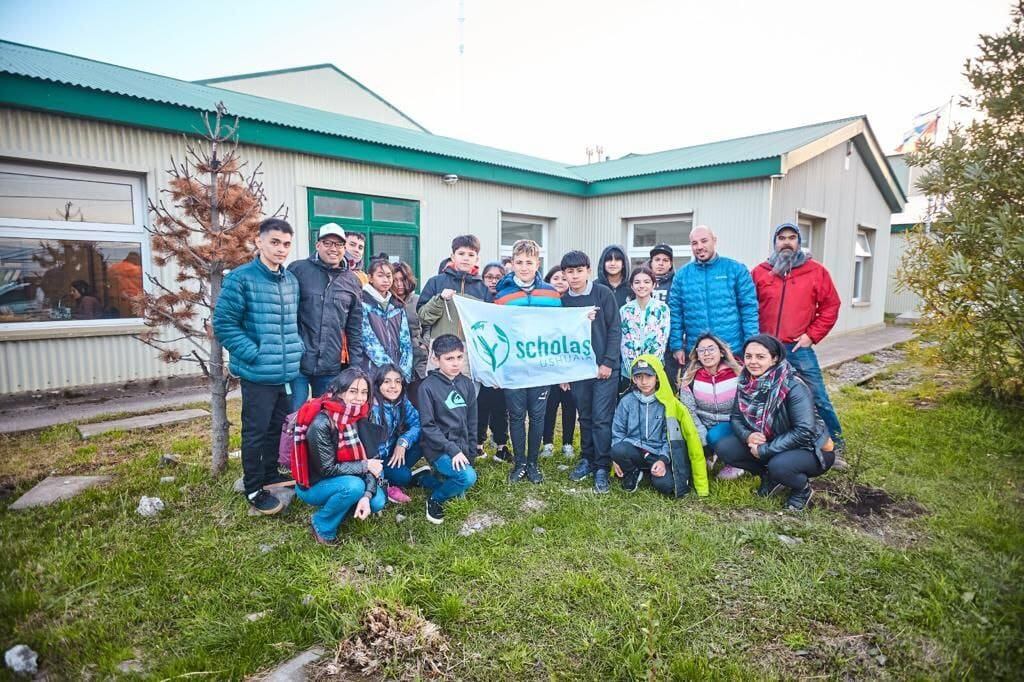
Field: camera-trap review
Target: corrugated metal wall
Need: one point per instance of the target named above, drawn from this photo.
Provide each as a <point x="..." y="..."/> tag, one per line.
<point x="897" y="299"/>
<point x="847" y="198"/>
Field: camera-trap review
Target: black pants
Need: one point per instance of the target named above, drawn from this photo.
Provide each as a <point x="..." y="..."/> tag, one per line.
<point x="491" y="411"/>
<point x="630" y="458"/>
<point x="595" y="399"/>
<point x="672" y="370"/>
<point x="564" y="398"/>
<point x="520" y="402"/>
<point x="791" y="468"/>
<point x="263" y="411"/>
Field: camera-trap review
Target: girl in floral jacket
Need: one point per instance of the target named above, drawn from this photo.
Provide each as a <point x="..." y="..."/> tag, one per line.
<point x="645" y="321"/>
<point x="386" y="338"/>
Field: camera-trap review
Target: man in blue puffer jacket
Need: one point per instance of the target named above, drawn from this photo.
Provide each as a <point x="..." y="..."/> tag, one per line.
<point x="255" y="319"/>
<point x="711" y="293"/>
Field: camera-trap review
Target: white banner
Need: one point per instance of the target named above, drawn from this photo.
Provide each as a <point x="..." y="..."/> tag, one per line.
<point x="512" y="347"/>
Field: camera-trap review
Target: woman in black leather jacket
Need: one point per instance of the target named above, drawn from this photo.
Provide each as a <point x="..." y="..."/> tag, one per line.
<point x="342" y="471"/>
<point x="776" y="432"/>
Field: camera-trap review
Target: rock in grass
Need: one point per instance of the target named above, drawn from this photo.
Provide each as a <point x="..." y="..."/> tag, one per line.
<point x="132" y="666"/>
<point x="399" y="518"/>
<point x="169" y="460"/>
<point x="259" y="615"/>
<point x="22" y="660"/>
<point x="150" y="506"/>
<point x="480" y="521"/>
<point x="167" y="479"/>
<point x="539" y="531"/>
<point x="532" y="504"/>
<point x="239" y="486"/>
<point x="788" y="540"/>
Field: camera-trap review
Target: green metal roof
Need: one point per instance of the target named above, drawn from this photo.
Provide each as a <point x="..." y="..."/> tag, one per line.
<point x="312" y="67"/>
<point x="34" y="78"/>
<point x="740" y="149"/>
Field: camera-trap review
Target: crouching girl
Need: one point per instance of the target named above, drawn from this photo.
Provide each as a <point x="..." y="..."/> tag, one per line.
<point x="399" y="423"/>
<point x="329" y="461"/>
<point x="654" y="434"/>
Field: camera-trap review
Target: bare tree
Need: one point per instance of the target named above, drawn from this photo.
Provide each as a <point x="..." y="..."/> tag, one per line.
<point x="209" y="228"/>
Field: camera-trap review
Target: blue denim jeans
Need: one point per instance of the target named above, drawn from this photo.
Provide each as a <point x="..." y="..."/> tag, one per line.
<point x="302" y="383"/>
<point x="718" y="432"/>
<point x="335" y="497"/>
<point x="445" y="482"/>
<point x="806" y="360"/>
<point x="402" y="476"/>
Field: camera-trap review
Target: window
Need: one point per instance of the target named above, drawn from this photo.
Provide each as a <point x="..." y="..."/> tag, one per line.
<point x="812" y="233"/>
<point x="516" y="227"/>
<point x="646" y="233"/>
<point x="72" y="246"/>
<point x="390" y="226"/>
<point x="862" y="265"/>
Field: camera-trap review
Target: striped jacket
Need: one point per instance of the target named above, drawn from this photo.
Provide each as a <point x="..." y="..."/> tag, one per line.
<point x="541" y="295"/>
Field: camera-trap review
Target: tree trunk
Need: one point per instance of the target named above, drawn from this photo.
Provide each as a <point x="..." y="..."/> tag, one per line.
<point x="218" y="393"/>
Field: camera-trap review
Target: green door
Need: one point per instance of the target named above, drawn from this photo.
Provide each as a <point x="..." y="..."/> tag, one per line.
<point x="391" y="226"/>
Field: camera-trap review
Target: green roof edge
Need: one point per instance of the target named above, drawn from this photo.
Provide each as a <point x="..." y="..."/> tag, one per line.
<point x="296" y="69"/>
<point x="72" y="100"/>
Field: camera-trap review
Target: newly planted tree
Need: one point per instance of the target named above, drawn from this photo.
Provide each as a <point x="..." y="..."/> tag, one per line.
<point x="207" y="229"/>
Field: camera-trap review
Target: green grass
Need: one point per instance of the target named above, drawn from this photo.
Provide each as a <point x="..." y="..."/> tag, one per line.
<point x="866" y="359"/>
<point x="617" y="587"/>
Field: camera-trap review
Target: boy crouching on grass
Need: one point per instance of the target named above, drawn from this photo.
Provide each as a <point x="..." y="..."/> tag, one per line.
<point x="654" y="434"/>
<point x="525" y="287"/>
<point x="447" y="404"/>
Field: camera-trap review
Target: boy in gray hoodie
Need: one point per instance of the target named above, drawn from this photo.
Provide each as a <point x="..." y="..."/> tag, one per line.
<point x="640" y="434"/>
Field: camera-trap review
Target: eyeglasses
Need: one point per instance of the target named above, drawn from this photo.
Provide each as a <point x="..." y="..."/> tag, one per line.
<point x="332" y="245"/>
<point x="707" y="351"/>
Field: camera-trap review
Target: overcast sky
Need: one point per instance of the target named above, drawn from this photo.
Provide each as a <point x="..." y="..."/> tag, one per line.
<point x="550" y="78"/>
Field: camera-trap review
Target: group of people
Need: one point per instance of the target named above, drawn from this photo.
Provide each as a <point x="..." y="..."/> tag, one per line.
<point x="370" y="384"/>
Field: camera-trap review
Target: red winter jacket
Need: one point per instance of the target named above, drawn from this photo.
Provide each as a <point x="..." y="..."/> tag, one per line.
<point x="806" y="301"/>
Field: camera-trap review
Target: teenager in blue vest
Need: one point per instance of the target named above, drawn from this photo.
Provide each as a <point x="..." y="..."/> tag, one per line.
<point x="525" y="287"/>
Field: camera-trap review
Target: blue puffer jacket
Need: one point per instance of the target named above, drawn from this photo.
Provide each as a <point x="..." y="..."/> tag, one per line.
<point x="716" y="296"/>
<point x="255" y="320"/>
<point x="387" y="414"/>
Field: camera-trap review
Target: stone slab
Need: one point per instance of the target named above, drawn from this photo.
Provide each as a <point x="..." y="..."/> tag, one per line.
<point x="837" y="350"/>
<point x="146" y="421"/>
<point x="56" y="488"/>
<point x="294" y="670"/>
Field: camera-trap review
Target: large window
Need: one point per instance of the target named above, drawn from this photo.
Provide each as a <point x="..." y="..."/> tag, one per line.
<point x="72" y="246"/>
<point x="646" y="233"/>
<point x="812" y="233"/>
<point x="390" y="226"/>
<point x="862" y="266"/>
<point x="516" y="227"/>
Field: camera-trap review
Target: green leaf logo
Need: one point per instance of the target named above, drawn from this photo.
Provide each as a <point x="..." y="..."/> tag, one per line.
<point x="491" y="342"/>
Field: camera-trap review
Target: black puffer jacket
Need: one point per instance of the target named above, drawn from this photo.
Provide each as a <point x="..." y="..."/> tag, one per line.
<point x="796" y="425"/>
<point x="622" y="291"/>
<point x="329" y="305"/>
<point x="322" y="439"/>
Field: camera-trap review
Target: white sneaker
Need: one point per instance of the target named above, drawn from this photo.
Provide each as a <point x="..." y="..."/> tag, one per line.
<point x="568" y="451"/>
<point x="548" y="450"/>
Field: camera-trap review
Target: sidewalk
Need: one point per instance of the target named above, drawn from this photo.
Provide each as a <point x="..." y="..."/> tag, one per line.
<point x="46" y="411"/>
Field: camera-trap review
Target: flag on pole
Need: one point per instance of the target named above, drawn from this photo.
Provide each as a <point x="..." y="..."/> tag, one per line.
<point x="926" y="125"/>
<point x="513" y="347"/>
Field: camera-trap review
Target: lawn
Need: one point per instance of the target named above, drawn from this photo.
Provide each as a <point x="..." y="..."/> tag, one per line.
<point x="570" y="586"/>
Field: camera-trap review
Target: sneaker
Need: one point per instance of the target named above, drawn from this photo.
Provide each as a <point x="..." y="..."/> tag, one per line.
<point x="435" y="511"/>
<point x="568" y="452"/>
<point x="418" y="474"/>
<point x="631" y="481"/>
<point x="730" y="473"/>
<point x="548" y="450"/>
<point x="397" y="495"/>
<point x="799" y="499"/>
<point x="264" y="502"/>
<point x="767" y="487"/>
<point x="517" y="474"/>
<point x="601" y="482"/>
<point x="502" y="454"/>
<point x="581" y="471"/>
<point x="279" y="480"/>
<point x="533" y="474"/>
<point x="320" y="539"/>
<point x="481" y="454"/>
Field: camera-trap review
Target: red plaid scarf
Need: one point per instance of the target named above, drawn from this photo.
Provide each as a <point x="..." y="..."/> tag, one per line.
<point x="344" y="417"/>
<point x="759" y="398"/>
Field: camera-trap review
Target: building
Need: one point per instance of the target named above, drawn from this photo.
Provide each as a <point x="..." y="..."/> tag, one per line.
<point x="898" y="300"/>
<point x="84" y="145"/>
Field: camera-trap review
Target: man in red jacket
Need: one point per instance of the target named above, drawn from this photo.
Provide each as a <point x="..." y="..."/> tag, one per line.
<point x="798" y="304"/>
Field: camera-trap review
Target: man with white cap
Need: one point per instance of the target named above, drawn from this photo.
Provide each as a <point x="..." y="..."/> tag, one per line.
<point x="330" y="310"/>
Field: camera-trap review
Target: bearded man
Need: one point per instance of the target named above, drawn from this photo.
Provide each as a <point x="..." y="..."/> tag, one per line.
<point x="798" y="304"/>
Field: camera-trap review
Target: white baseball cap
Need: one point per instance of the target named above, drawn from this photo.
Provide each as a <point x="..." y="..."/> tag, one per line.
<point x="331" y="229"/>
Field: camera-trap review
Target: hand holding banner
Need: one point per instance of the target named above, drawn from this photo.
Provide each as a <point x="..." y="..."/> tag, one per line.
<point x="510" y="347"/>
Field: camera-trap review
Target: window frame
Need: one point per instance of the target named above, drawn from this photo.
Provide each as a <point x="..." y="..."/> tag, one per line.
<point x="83" y="231"/>
<point x="644" y="252"/>
<point x="863" y="265"/>
<point x="545" y="231"/>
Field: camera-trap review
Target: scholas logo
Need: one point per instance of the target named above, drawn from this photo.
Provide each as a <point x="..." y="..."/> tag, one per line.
<point x="553" y="351"/>
<point x="491" y="342"/>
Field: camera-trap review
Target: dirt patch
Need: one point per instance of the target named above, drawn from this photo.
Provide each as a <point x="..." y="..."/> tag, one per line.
<point x="858" y="501"/>
<point x="827" y="650"/>
<point x="531" y="505"/>
<point x="393" y="643"/>
<point x="477" y="522"/>
<point x="348" y="575"/>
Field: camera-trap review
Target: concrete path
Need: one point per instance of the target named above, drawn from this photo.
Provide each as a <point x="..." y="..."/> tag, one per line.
<point x="836" y="351"/>
<point x="294" y="670"/>
<point x="147" y="421"/>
